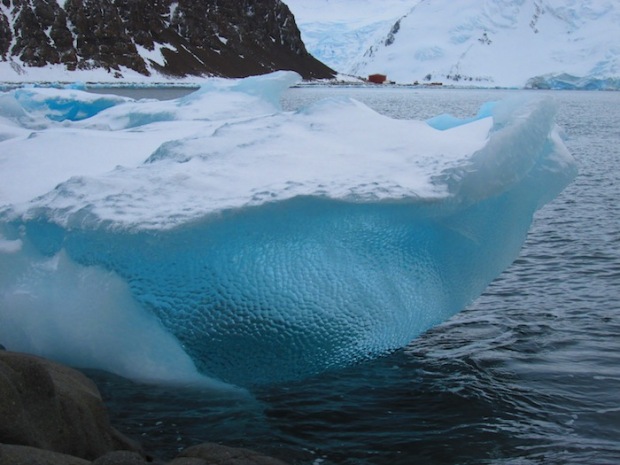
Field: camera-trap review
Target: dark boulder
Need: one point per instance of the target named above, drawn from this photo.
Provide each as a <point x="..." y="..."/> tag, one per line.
<point x="54" y="415"/>
<point x="215" y="454"/>
<point x="52" y="407"/>
<point x="120" y="457"/>
<point x="24" y="455"/>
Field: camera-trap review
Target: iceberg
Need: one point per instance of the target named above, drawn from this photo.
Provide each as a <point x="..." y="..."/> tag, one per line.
<point x="219" y="236"/>
<point x="565" y="81"/>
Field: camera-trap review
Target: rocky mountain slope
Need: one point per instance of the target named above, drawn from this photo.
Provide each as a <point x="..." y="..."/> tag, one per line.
<point x="230" y="38"/>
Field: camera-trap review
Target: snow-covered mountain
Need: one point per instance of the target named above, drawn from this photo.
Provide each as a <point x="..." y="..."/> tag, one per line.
<point x="508" y="43"/>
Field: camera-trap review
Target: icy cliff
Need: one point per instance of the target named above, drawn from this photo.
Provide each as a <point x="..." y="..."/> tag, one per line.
<point x="219" y="232"/>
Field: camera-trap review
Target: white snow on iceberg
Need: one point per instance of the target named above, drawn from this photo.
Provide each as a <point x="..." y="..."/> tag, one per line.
<point x="261" y="244"/>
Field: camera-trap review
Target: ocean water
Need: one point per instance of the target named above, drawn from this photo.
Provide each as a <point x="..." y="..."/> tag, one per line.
<point x="528" y="374"/>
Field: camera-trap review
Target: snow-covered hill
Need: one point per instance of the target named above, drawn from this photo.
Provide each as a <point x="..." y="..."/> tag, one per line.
<point x="508" y="43"/>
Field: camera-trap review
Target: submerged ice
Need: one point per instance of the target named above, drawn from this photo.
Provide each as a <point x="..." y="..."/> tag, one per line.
<point x="218" y="235"/>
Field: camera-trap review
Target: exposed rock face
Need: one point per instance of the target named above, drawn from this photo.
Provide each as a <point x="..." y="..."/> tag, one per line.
<point x="40" y="33"/>
<point x="101" y="36"/>
<point x="231" y="38"/>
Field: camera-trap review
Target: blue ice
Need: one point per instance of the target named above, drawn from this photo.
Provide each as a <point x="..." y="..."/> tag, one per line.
<point x="264" y="245"/>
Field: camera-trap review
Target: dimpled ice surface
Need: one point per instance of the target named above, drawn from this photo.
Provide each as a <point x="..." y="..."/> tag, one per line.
<point x="216" y="235"/>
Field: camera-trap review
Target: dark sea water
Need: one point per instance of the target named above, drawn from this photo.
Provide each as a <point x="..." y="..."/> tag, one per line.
<point x="528" y="374"/>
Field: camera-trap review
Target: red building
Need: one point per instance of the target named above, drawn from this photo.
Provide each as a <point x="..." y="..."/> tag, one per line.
<point x="377" y="78"/>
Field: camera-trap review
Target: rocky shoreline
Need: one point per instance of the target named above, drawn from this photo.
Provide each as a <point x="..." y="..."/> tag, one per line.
<point x="54" y="415"/>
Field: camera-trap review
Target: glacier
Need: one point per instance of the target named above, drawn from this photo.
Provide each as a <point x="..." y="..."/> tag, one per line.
<point x="216" y="237"/>
<point x="557" y="44"/>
